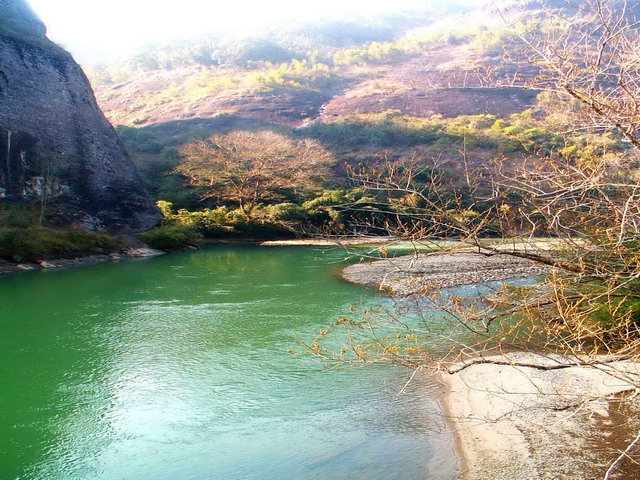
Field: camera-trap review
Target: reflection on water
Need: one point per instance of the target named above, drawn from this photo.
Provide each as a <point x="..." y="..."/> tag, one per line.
<point x="176" y="368"/>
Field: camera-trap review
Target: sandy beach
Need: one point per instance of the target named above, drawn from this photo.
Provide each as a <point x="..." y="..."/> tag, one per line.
<point x="521" y="416"/>
<point x="328" y="242"/>
<point x="515" y="421"/>
<point x="413" y="273"/>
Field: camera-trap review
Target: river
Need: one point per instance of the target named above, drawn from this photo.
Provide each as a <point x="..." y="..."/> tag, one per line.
<point x="176" y="367"/>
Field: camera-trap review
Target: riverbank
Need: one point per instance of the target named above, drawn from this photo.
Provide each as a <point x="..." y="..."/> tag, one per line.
<point x="414" y="273"/>
<point x="329" y="242"/>
<point x="521" y="416"/>
<point x="528" y="416"/>
<point x="135" y="250"/>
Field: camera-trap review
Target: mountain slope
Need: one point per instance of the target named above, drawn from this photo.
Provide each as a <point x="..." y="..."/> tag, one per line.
<point x="446" y="67"/>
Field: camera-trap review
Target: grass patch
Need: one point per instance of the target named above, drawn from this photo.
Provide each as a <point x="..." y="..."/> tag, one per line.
<point x="38" y="243"/>
<point x="23" y="239"/>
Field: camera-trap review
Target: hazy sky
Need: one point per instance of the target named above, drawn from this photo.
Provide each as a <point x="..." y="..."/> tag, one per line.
<point x="90" y="28"/>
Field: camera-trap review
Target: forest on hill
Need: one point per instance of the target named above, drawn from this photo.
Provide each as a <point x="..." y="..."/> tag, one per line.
<point x="452" y="94"/>
<point x="453" y="89"/>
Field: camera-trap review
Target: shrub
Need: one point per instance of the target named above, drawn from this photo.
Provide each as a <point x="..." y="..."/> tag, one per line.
<point x="170" y="237"/>
<point x="36" y="243"/>
<point x="285" y="212"/>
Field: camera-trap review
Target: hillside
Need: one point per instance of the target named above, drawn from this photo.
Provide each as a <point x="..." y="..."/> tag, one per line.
<point x="425" y="71"/>
<point x="451" y="88"/>
<point x="448" y="81"/>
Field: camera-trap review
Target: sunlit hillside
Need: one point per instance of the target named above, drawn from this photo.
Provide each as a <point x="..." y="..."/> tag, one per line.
<point x="421" y="65"/>
<point x="416" y="84"/>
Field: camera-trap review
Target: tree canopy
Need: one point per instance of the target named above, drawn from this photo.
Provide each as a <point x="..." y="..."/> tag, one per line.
<point x="248" y="168"/>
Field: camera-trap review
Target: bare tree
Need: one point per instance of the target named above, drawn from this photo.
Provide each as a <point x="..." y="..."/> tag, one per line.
<point x="588" y="205"/>
<point x="248" y="168"/>
<point x="588" y="50"/>
<point x="47" y="168"/>
<point x="587" y="309"/>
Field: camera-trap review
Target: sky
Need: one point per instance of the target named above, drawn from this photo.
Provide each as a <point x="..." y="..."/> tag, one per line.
<point x="101" y="30"/>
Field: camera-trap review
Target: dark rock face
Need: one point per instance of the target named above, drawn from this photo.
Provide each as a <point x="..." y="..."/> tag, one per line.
<point x="52" y="132"/>
<point x="18" y="17"/>
<point x="15" y="149"/>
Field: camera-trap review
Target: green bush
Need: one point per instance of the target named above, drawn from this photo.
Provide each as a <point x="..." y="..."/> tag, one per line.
<point x="370" y="53"/>
<point x="170" y="237"/>
<point x="286" y="212"/>
<point x="138" y="140"/>
<point x="297" y="74"/>
<point x="610" y="314"/>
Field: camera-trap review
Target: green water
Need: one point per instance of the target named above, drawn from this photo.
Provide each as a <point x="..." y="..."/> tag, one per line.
<point x="176" y="368"/>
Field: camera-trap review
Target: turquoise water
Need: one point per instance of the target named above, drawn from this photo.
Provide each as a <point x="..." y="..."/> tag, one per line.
<point x="177" y="368"/>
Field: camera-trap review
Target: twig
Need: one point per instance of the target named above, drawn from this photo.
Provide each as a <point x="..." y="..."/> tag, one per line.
<point x="624" y="454"/>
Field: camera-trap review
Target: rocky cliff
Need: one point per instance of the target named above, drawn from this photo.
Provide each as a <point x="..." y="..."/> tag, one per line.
<point x="54" y="140"/>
